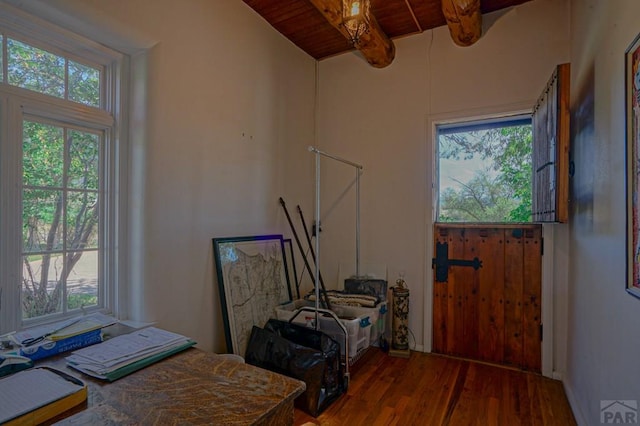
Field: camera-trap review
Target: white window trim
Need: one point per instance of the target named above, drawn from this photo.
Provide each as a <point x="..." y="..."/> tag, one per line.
<point x="31" y="29"/>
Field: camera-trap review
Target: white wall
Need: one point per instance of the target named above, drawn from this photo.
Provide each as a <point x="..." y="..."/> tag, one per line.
<point x="226" y="96"/>
<point x="231" y="113"/>
<point x="604" y="339"/>
<point x="379" y="117"/>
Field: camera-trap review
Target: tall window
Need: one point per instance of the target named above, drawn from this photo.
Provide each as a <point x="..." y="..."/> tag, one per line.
<point x="484" y="171"/>
<point x="60" y="218"/>
<point x="59" y="172"/>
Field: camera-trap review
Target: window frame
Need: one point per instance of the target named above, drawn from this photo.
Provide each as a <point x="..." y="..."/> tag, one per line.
<point x="17" y="104"/>
<point x="465" y="124"/>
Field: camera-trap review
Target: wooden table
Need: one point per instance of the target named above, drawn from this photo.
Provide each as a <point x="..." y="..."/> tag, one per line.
<point x="191" y="387"/>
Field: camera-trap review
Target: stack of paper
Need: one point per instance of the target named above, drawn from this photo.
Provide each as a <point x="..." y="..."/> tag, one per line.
<point x="124" y="354"/>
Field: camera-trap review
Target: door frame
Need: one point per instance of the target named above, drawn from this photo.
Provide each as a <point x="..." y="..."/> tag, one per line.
<point x="548" y="267"/>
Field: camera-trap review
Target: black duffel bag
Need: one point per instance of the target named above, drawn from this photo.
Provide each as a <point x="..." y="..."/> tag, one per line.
<point x="304" y="354"/>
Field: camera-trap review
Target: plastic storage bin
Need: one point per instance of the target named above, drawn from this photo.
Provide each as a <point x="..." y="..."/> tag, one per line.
<point x="285" y="311"/>
<point x="377" y="317"/>
<point x="358" y="331"/>
<point x="358" y="324"/>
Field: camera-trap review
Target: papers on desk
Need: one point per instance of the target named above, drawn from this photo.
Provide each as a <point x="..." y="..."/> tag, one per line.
<point x="124" y="354"/>
<point x="36" y="395"/>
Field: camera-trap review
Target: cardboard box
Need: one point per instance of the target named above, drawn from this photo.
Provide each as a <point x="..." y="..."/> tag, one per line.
<point x="48" y="348"/>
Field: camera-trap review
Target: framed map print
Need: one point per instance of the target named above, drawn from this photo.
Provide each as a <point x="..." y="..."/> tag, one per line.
<point x="253" y="281"/>
<point x="632" y="110"/>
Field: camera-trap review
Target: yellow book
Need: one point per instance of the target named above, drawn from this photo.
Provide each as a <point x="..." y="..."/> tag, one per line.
<point x="63" y="329"/>
<point x="84" y="325"/>
<point x="34" y="396"/>
<point x="80" y="327"/>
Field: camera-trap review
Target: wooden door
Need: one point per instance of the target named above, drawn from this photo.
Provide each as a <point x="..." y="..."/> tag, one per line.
<point x="491" y="312"/>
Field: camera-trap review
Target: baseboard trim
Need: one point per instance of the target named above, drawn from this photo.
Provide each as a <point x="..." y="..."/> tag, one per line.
<point x="573" y="403"/>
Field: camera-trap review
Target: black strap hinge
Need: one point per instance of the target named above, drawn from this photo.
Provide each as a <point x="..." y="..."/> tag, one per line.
<point x="442" y="262"/>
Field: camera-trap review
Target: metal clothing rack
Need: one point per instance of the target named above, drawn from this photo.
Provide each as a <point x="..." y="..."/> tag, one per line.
<point x="318" y="310"/>
<point x="359" y="169"/>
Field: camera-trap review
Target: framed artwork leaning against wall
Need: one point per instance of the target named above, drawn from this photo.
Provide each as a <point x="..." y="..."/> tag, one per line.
<point x="253" y="280"/>
<point x="632" y="111"/>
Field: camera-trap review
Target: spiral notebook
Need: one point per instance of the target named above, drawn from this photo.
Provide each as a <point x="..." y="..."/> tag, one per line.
<point x="37" y="395"/>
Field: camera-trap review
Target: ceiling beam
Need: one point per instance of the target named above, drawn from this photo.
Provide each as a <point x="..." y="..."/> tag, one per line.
<point x="464" y="20"/>
<point x="374" y="44"/>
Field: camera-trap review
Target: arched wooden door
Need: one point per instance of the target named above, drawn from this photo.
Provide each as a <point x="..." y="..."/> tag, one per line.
<point x="489" y="312"/>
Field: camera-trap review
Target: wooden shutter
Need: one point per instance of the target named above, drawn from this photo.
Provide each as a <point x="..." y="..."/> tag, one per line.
<point x="550" y="121"/>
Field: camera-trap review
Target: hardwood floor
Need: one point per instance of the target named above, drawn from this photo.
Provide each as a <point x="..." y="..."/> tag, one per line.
<point x="429" y="389"/>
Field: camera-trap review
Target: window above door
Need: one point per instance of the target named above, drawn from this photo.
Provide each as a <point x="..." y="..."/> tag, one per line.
<point x="484" y="170"/>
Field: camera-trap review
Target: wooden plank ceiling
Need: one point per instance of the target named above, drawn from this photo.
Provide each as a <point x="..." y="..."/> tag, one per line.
<point x="302" y="23"/>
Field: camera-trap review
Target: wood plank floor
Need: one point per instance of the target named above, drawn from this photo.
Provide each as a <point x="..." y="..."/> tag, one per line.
<point x="429" y="389"/>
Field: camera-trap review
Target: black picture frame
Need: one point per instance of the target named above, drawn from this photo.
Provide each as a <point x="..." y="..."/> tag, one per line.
<point x="253" y="280"/>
